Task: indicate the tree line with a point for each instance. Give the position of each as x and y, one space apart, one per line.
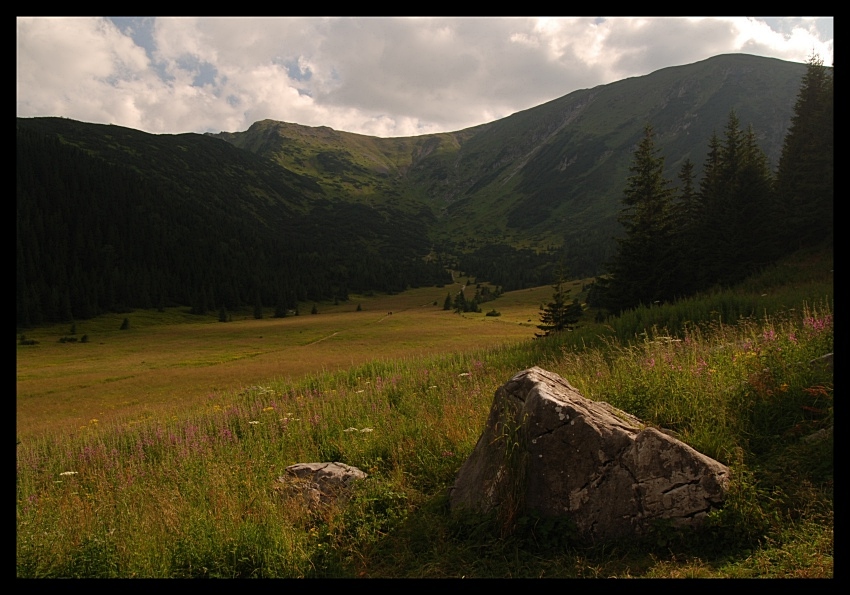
96 235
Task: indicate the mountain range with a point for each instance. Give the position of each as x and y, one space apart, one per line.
502 200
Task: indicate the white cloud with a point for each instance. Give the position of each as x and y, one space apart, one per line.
377 76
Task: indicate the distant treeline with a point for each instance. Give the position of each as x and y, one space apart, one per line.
98 235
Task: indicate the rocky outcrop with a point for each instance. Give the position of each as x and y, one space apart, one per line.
549 450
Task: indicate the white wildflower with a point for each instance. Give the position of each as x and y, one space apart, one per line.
69 473
367 430
253 422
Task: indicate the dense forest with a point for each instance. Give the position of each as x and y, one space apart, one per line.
97 235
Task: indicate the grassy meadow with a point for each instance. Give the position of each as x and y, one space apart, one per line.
155 451
170 362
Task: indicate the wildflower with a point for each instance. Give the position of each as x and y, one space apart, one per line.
367 430
69 473
253 422
269 409
432 386
769 335
793 338
351 430
462 374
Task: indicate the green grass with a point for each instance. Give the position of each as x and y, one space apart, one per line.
193 491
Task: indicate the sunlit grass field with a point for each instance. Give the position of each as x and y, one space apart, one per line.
171 361
156 451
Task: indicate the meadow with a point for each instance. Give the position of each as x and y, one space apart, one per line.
155 451
170 362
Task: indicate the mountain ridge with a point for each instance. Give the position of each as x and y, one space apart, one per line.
289 212
549 174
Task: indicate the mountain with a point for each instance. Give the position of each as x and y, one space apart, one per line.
552 175
109 217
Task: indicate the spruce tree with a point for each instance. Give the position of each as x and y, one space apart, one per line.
734 208
686 212
805 177
560 314
642 270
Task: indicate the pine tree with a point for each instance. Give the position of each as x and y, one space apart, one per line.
734 209
686 211
560 314
460 303
805 177
447 305
642 269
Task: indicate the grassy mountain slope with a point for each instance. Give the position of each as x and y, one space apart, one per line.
552 174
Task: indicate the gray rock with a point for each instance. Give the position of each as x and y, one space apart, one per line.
547 449
321 482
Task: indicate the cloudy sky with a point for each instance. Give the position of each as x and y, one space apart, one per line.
377 76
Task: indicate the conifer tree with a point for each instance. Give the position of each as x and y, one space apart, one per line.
560 314
805 177
686 212
735 204
642 269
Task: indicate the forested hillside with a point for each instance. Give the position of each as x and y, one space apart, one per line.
110 219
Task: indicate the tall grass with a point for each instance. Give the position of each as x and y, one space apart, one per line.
198 495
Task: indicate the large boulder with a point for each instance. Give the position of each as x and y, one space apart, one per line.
546 449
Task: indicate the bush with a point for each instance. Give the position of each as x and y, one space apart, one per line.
25 341
493 313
